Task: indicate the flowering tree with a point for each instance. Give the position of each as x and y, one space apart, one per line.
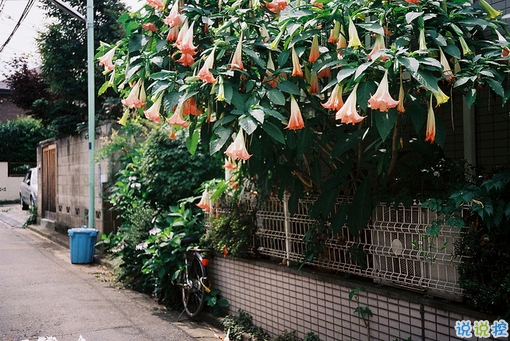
308 96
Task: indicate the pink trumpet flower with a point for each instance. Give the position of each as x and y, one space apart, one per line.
335 102
158 4
348 114
229 164
237 149
186 60
377 49
174 18
190 107
335 32
173 33
107 60
186 46
136 97
205 202
205 74
180 36
314 52
401 96
237 60
430 134
276 6
296 67
177 119
342 41
382 99
296 119
153 112
150 27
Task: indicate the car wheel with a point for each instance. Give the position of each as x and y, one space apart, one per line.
24 206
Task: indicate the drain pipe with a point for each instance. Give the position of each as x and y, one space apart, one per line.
286 226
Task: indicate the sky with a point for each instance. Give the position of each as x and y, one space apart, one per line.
23 41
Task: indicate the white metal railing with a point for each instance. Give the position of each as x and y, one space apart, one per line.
394 248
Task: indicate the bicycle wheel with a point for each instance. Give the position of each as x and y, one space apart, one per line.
193 292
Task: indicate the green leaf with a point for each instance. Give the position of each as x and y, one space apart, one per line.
221 135
222 302
385 121
289 87
348 142
248 123
361 69
365 91
273 131
339 219
282 58
344 73
412 15
257 114
192 142
427 80
496 86
103 88
254 56
137 42
276 96
372 27
411 64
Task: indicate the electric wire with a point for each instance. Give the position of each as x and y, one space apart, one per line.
27 9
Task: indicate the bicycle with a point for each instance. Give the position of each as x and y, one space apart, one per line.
193 278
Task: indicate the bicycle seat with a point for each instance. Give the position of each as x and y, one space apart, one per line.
189 240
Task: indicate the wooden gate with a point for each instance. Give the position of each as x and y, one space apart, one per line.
49 182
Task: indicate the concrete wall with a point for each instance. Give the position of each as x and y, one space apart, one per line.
9 185
281 298
72 182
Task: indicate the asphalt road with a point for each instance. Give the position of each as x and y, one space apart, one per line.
43 295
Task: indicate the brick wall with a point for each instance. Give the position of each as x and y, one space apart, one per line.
282 298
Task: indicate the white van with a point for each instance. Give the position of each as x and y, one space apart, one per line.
28 189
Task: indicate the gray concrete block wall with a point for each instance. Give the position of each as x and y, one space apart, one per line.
281 298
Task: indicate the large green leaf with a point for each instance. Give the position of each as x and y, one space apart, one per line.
289 87
273 131
192 142
411 64
248 123
426 79
221 135
385 121
276 96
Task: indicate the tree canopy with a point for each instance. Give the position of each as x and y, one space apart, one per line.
310 97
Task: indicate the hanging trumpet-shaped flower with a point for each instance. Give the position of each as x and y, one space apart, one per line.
296 67
136 97
382 99
296 119
354 40
314 83
158 4
324 73
221 90
276 6
123 119
412 1
376 49
269 78
205 73
177 119
150 26
430 133
401 96
186 60
186 44
173 33
491 12
190 107
335 102
153 112
229 164
172 135
314 52
335 32
107 60
205 201
447 71
348 114
465 48
421 39
441 97
342 40
182 33
505 50
237 149
237 60
174 18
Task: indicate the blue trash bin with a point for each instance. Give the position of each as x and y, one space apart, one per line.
82 244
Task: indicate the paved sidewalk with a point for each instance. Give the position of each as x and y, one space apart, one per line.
43 295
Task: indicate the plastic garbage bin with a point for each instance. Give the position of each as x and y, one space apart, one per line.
82 244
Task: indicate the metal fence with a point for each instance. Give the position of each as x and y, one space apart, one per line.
394 249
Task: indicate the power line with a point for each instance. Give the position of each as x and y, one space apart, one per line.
27 9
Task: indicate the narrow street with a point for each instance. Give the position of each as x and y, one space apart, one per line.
43 295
